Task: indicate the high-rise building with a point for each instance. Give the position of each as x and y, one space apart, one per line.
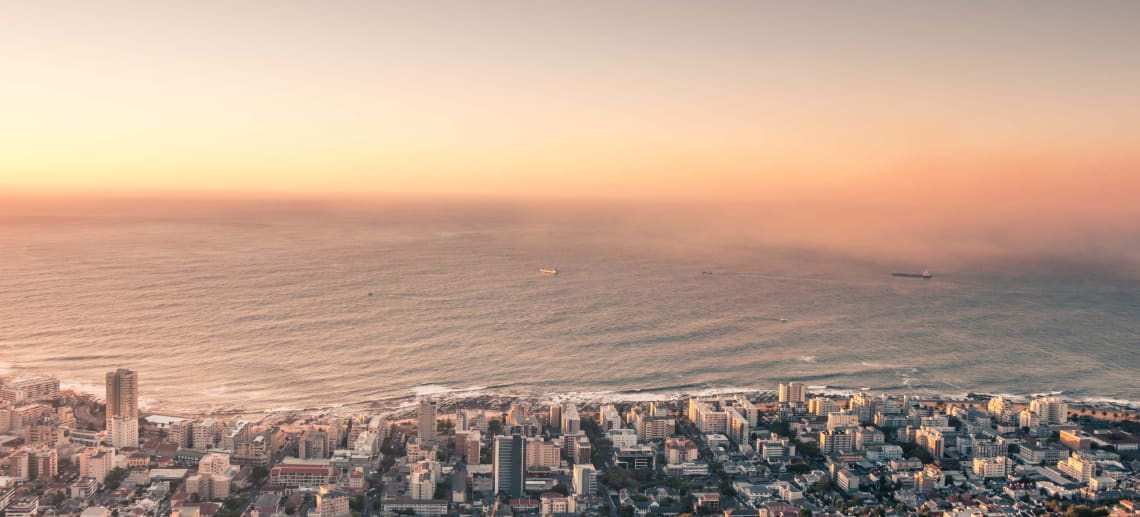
571 423
462 420
821 406
124 432
654 427
332 502
679 450
556 418
1051 410
736 426
841 420
508 471
518 413
122 395
540 453
609 418
427 421
314 443
213 478
996 467
44 463
1001 409
842 440
96 463
1078 467
792 392
468 445
29 390
585 481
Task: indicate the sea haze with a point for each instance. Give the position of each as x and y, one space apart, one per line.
305 307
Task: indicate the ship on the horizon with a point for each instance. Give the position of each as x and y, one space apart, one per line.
924 274
548 270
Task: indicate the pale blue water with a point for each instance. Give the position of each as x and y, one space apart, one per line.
268 311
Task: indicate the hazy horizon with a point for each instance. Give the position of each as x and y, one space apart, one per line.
906 235
958 104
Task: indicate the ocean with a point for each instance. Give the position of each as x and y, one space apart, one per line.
306 309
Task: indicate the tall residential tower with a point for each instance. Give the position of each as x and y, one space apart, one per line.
792 392
509 465
427 421
122 395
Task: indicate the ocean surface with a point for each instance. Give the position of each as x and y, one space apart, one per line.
312 309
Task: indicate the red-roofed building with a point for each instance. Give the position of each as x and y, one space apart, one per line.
138 459
208 509
167 450
356 483
781 509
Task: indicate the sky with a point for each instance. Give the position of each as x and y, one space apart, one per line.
982 109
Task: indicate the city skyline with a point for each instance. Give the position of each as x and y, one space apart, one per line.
649 258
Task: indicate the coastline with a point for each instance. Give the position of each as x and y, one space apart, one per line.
452 400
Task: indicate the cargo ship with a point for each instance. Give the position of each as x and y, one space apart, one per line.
924 274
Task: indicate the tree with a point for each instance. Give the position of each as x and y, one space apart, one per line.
618 479
688 503
602 452
808 450
561 489
232 503
798 468
115 477
804 512
726 488
781 428
495 427
1079 511
258 474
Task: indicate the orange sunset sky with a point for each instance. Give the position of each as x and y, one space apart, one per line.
1030 105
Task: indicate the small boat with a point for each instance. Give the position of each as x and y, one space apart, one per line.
783 320
924 274
548 270
706 272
